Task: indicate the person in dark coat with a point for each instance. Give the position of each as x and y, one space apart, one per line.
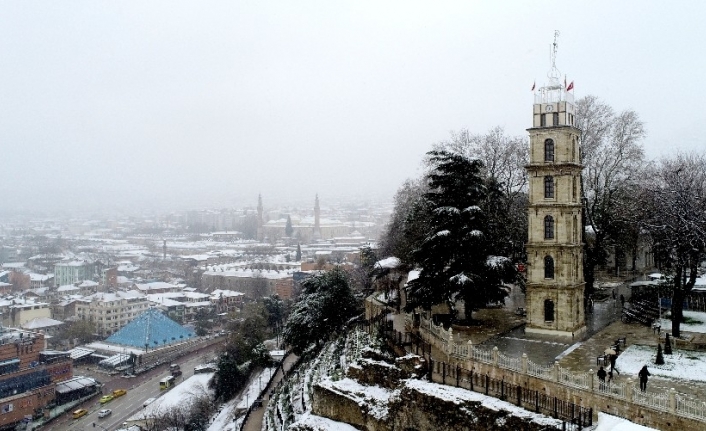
643 374
601 377
613 358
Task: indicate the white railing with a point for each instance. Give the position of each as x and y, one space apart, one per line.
612 389
692 409
482 355
458 350
510 363
650 399
541 371
568 378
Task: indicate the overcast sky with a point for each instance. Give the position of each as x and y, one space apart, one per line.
178 104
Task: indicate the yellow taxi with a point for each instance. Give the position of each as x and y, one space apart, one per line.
105 398
119 393
79 413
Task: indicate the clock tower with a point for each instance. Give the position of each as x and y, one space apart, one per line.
555 285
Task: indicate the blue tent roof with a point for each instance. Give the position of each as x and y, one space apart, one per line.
152 328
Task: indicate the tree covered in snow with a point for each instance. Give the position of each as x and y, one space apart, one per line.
408 223
675 206
613 157
288 228
325 307
503 161
458 255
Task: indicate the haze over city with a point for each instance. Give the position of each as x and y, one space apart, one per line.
109 105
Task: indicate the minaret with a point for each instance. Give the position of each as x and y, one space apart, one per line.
555 285
260 220
317 219
164 250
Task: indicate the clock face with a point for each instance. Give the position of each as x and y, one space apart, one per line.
549 108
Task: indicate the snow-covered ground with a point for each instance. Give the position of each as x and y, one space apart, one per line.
681 364
688 327
235 408
194 385
613 423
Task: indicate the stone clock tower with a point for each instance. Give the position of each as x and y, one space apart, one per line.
555 282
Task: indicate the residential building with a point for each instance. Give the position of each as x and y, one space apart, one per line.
111 311
73 271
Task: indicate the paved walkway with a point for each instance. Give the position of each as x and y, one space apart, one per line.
254 422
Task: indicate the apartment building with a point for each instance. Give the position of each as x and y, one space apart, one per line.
111 311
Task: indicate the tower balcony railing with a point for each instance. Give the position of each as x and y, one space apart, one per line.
553 94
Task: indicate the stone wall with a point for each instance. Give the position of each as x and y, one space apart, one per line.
384 403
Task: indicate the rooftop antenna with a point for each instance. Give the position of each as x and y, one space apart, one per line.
554 73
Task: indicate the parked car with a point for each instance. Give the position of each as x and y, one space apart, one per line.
80 412
119 393
105 412
148 401
106 398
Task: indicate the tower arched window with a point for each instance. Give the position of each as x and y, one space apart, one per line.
548 267
548 310
548 187
576 229
548 227
549 150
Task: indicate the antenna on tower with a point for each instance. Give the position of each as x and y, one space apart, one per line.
554 73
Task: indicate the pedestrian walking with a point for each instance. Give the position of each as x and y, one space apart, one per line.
613 359
610 377
614 298
643 374
622 300
601 378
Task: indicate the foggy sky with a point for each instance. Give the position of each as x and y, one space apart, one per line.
176 104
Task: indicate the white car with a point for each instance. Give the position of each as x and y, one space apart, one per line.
105 412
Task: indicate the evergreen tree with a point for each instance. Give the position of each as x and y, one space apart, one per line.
660 359
298 257
288 229
667 345
458 255
327 304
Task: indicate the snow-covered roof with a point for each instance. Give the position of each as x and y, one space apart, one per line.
413 275
156 285
41 322
388 263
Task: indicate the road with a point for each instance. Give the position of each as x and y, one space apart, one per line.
139 390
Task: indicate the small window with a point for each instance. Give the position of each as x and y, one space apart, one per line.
549 150
548 310
548 227
555 119
543 120
549 187
548 267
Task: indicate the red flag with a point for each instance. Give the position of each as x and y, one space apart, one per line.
534 85
570 87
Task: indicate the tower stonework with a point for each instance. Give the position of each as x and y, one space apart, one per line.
555 284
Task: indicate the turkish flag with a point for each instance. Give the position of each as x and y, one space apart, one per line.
570 87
